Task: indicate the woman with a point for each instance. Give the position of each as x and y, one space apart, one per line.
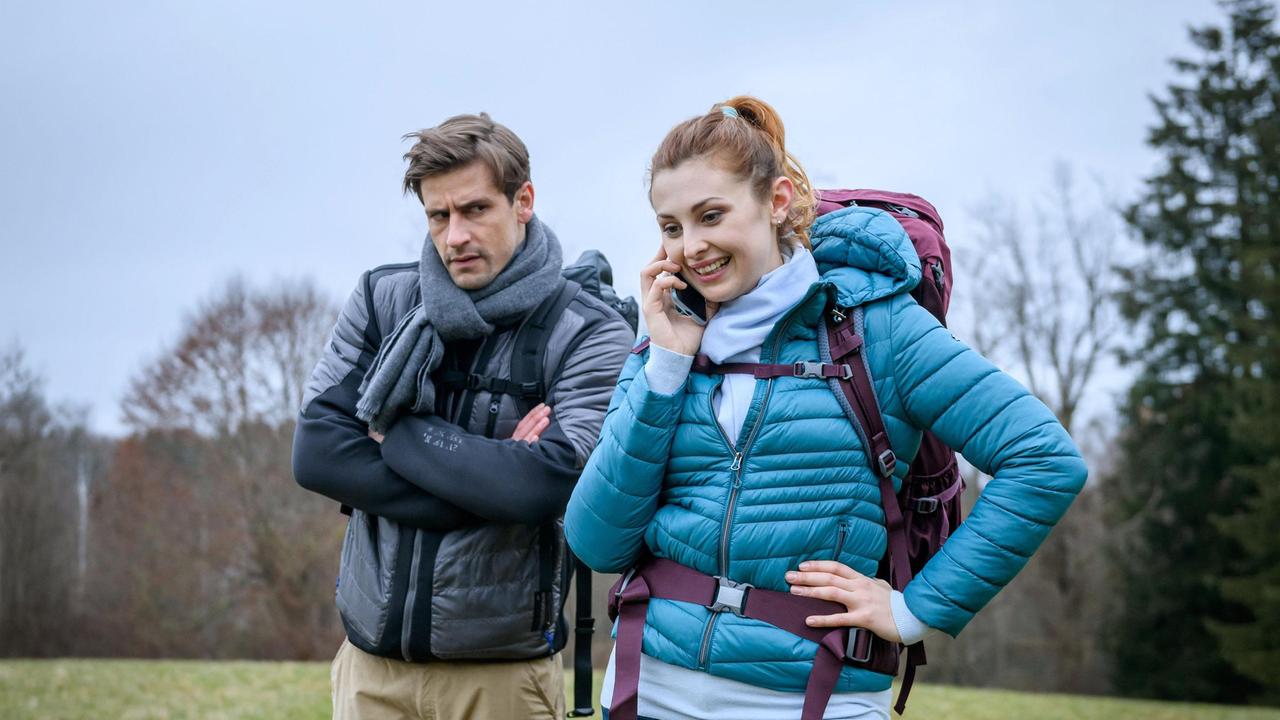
766 482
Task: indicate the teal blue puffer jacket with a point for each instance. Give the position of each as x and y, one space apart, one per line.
798 485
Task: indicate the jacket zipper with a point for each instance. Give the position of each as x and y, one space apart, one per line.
705 644
411 594
736 469
467 401
841 536
495 404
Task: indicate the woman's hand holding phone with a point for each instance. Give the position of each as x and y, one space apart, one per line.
668 328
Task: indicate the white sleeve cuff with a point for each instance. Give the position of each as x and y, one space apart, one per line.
666 370
909 626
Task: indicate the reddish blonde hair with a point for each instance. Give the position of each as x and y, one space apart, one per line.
751 145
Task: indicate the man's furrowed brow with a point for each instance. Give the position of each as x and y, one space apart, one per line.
462 205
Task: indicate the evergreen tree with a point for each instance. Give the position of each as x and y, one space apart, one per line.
1254 647
1196 575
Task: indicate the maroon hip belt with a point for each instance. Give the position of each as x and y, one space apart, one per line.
668 580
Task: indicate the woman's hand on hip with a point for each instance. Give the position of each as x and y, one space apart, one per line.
866 600
668 328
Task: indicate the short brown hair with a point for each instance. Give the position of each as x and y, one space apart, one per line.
749 141
461 140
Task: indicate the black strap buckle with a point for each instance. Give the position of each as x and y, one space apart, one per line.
730 595
531 389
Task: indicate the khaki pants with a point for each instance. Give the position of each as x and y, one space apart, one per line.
368 687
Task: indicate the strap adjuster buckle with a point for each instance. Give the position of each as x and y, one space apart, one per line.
851 647
926 505
887 462
622 586
730 595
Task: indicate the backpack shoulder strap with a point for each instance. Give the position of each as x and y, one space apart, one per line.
530 345
844 335
527 358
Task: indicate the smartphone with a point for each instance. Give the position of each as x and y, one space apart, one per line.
689 302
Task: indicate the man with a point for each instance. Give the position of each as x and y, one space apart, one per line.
453 571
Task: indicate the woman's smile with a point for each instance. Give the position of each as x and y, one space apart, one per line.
709 272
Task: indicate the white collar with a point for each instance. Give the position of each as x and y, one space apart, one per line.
741 325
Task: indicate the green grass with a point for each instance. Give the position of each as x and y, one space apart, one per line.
172 690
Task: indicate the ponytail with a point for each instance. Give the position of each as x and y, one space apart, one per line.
746 134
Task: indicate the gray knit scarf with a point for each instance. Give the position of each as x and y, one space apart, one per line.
400 377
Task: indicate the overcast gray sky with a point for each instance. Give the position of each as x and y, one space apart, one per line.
150 149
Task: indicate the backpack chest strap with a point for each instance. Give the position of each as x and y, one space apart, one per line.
764 371
456 380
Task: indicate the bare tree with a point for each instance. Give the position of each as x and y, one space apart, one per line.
1042 304
207 476
241 360
1047 304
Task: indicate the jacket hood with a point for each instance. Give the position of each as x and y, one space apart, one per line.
865 254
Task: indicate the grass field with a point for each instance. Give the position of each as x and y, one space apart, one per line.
173 690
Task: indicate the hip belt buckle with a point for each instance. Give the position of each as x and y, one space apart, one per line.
730 595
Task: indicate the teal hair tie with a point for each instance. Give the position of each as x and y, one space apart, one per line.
729 111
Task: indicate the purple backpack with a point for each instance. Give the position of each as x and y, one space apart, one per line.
922 514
